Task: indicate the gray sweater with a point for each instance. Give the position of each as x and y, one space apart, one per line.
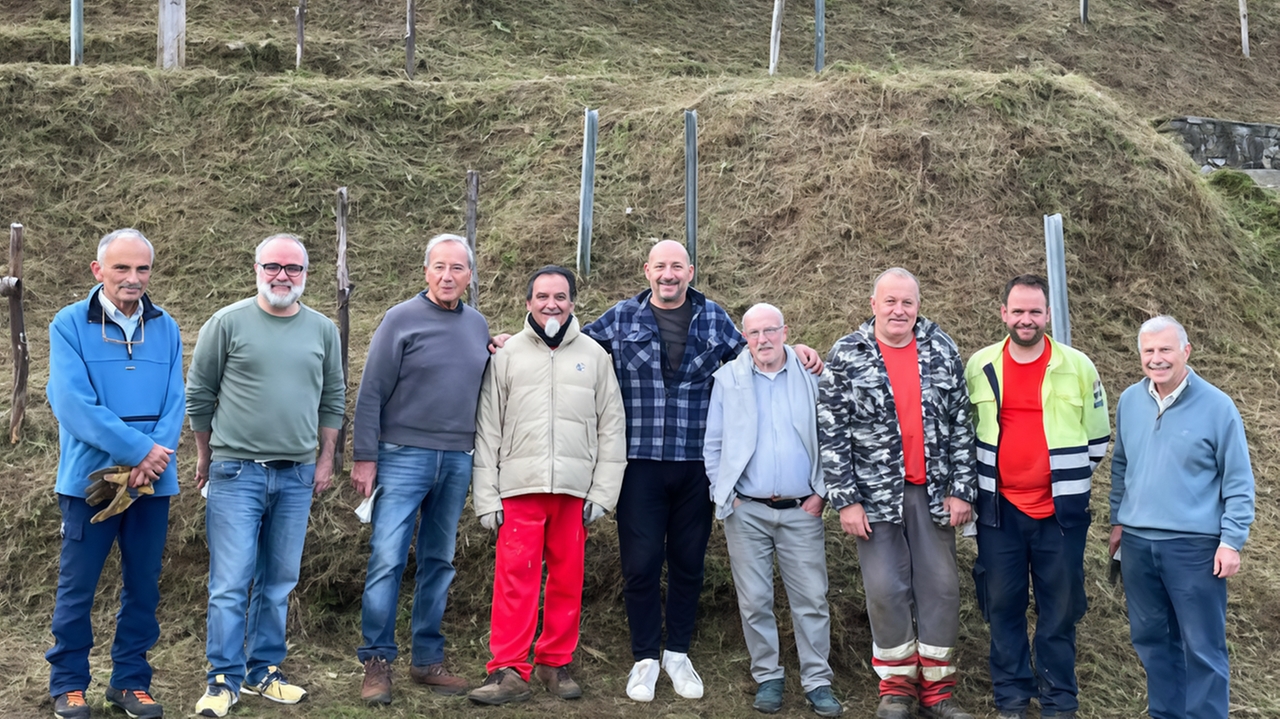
421 380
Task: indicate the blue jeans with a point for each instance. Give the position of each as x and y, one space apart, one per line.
256 520
413 480
140 532
1052 557
1178 624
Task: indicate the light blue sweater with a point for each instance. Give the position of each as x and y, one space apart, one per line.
1185 472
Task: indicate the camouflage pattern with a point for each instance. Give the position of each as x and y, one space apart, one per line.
861 444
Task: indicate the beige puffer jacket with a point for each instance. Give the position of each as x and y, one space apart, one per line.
550 422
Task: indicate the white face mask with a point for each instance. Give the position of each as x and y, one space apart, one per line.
553 327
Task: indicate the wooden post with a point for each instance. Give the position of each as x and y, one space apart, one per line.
473 209
1084 12
11 287
171 35
775 35
1244 27
587 193
344 321
300 15
77 32
691 185
819 35
410 37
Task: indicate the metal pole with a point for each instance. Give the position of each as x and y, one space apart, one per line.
77 32
171 35
1056 259
691 185
1084 11
775 35
473 211
300 16
587 195
344 320
1244 27
819 35
410 37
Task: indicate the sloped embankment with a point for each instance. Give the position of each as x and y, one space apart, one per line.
809 188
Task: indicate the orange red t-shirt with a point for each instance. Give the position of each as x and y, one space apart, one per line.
1023 459
903 366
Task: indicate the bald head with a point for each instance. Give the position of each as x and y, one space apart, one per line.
669 249
669 273
763 311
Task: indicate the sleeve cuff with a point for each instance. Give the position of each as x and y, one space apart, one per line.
201 423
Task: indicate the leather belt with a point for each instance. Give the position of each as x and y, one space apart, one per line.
279 464
775 503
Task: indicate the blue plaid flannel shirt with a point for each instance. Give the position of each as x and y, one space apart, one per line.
666 423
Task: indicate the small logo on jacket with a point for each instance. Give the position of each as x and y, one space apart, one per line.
580 367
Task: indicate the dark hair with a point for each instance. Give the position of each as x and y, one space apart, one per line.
1036 281
554 270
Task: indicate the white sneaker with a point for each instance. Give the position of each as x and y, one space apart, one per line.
686 681
643 680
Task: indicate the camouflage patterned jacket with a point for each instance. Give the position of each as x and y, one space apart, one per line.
858 430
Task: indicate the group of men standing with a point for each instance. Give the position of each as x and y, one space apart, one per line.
653 409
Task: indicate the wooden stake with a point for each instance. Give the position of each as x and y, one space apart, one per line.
171 40
473 211
11 287
1244 27
344 321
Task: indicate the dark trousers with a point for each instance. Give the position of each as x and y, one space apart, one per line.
140 531
1052 557
664 512
1178 624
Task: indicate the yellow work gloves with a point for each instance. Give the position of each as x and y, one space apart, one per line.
112 483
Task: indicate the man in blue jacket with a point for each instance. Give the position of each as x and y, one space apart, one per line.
115 386
1181 506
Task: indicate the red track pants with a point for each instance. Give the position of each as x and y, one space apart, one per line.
537 527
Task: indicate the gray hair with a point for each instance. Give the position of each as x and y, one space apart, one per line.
762 307
110 237
447 237
257 253
1160 323
896 272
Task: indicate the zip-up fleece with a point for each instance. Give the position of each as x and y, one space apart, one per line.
1076 427
858 426
549 421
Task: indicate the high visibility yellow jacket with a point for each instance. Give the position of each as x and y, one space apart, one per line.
1076 428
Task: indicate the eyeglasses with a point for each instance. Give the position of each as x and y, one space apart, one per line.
128 344
769 333
273 268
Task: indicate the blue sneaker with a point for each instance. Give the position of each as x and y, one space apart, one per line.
768 697
823 702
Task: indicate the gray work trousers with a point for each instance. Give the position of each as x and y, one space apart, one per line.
755 533
909 574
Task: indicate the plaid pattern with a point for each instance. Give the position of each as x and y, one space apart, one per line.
665 423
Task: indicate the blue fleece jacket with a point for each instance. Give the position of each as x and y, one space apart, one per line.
113 402
1184 473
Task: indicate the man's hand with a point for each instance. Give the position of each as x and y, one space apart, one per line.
1113 543
809 359
324 473
853 520
960 510
812 505
364 473
151 466
202 458
496 342
1226 562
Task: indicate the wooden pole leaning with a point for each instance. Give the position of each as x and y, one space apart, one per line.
473 211
11 287
344 321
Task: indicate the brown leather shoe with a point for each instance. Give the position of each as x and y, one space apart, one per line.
376 688
438 678
502 686
557 681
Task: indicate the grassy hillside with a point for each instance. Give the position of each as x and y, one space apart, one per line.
810 186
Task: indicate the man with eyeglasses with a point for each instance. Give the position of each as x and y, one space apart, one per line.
766 482
265 379
115 386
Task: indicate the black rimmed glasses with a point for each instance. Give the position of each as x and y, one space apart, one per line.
273 268
128 344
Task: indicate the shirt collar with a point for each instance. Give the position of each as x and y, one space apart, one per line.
115 313
1167 401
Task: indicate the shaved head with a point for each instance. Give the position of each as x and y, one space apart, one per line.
665 249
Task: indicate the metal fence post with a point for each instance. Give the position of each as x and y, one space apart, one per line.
300 17
410 37
586 197
1084 12
819 35
691 185
77 32
775 35
473 211
1056 259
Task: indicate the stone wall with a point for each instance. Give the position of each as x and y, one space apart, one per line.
1215 143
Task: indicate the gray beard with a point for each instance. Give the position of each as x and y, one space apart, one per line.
282 301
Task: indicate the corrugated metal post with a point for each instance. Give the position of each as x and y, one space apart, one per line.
473 211
1244 27
410 37
819 35
775 35
691 185
1056 259
344 319
587 197
1084 11
77 32
300 16
171 35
